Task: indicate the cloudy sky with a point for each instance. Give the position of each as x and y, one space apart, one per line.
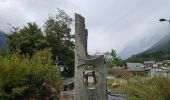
129 26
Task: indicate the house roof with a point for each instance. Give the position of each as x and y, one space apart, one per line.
149 62
134 65
166 60
159 62
136 69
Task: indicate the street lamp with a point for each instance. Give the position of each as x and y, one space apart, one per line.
163 20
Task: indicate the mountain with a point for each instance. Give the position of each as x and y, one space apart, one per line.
159 51
132 49
162 45
3 40
139 45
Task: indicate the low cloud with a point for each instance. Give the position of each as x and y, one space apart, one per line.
112 24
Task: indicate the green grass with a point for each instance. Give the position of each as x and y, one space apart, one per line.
157 88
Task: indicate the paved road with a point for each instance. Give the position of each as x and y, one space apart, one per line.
116 98
116 95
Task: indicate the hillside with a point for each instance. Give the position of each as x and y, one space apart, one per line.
138 46
3 43
163 44
159 51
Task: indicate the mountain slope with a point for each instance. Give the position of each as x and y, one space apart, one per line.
3 40
162 45
140 45
159 51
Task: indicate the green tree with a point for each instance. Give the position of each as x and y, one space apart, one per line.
59 38
4 52
113 59
23 77
28 39
113 54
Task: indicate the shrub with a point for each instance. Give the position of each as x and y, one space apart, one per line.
121 73
157 88
25 77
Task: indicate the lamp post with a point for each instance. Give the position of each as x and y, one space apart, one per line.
163 20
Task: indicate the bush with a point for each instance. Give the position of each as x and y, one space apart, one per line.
25 77
157 88
4 52
121 73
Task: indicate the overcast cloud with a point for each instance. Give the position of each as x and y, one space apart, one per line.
112 24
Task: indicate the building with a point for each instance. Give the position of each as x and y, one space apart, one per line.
135 67
166 62
149 63
159 63
158 71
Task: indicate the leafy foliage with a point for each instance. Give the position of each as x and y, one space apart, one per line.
4 52
28 39
121 73
112 60
155 89
145 56
59 38
25 77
